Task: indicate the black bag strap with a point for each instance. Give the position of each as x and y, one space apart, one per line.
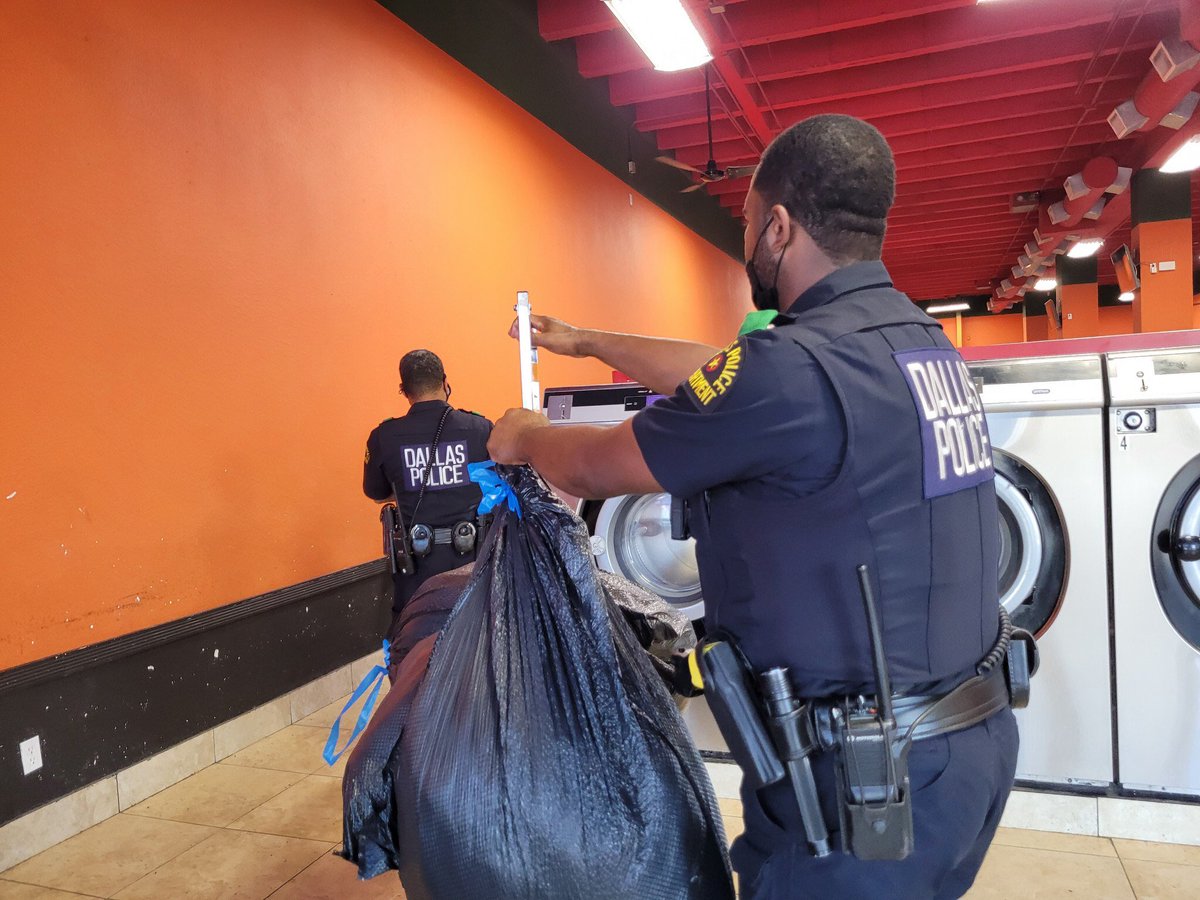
437 435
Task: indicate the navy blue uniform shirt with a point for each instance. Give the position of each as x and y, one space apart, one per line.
398 454
804 452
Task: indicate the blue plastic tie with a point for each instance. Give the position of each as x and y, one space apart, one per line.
372 682
496 490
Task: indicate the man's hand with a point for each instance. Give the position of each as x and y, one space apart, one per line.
556 336
508 435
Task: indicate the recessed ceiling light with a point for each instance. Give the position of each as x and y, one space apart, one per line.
947 307
1126 297
1186 158
1045 284
664 32
1085 248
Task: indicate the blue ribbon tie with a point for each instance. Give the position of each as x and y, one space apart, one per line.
372 682
496 491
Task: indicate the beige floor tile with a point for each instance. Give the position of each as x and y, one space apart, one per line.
1151 852
333 878
230 865
294 749
729 807
1018 873
109 856
218 795
11 890
325 716
1163 881
160 771
1050 840
310 809
66 817
239 733
308 698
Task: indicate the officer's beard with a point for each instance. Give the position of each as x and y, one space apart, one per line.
762 296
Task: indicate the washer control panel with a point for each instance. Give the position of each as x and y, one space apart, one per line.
1135 421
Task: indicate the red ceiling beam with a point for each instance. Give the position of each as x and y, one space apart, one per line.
958 72
1010 133
996 109
562 19
1000 29
612 52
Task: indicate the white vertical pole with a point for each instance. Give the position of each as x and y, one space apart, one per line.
531 390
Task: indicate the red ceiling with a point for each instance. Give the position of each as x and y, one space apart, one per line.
977 101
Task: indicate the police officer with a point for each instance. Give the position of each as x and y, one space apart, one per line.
844 434
420 459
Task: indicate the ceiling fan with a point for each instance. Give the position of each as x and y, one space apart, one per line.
710 172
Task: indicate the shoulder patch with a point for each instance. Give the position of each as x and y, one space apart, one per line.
367 458
472 412
709 384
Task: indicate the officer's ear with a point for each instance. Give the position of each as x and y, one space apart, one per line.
780 229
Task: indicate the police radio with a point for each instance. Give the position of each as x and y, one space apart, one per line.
395 540
874 799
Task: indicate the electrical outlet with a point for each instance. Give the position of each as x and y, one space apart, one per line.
31 754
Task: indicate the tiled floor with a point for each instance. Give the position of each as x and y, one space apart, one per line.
265 822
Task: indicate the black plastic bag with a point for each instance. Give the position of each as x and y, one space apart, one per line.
541 754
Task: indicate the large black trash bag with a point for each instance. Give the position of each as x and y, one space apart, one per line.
542 755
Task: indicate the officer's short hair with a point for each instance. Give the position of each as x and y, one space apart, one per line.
421 371
836 176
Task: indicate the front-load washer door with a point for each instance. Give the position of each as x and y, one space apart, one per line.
1175 555
1032 546
631 536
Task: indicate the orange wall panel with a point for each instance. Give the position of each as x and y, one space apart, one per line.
1035 328
1165 299
984 331
1116 320
222 229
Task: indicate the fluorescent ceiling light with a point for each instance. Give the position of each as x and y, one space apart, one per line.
947 307
1045 284
1186 158
664 32
1085 248
1126 297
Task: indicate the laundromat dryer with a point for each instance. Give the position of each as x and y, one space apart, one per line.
631 535
1154 454
1046 424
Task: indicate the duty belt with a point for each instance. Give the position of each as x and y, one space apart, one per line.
442 535
922 716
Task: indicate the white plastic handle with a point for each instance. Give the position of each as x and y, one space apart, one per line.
531 390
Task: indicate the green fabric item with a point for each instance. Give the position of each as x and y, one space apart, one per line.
757 320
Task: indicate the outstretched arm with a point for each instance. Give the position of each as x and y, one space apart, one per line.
658 363
585 460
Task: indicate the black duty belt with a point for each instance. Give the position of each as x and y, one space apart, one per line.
970 703
442 535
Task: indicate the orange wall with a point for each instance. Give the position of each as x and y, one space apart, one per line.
983 331
1035 328
1116 320
222 226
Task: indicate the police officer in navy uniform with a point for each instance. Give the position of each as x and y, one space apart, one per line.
846 433
420 460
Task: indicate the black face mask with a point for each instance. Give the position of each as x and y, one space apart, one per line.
762 296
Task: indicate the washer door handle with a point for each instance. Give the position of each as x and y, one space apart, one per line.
1186 548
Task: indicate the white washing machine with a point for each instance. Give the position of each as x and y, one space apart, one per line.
631 535
1046 422
1154 459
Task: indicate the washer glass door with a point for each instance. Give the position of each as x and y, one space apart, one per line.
1032 546
631 536
1175 555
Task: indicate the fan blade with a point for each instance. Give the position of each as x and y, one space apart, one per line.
739 171
670 161
694 187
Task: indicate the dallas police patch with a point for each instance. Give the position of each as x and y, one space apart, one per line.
712 381
955 446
